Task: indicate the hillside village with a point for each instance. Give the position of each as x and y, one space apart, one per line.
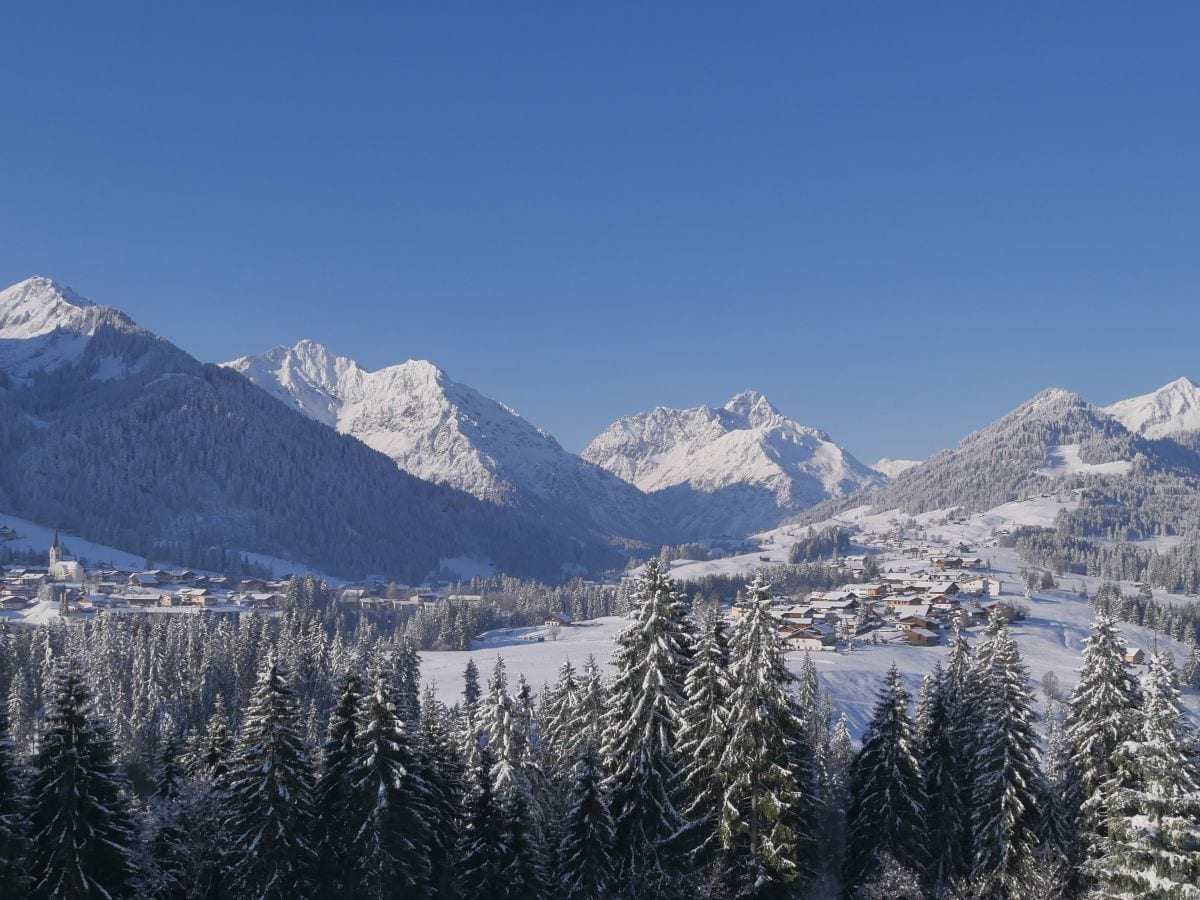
914 604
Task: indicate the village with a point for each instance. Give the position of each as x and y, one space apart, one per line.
916 604
65 587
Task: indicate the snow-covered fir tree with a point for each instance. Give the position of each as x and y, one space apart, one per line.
442 770
81 825
938 751
1151 848
269 811
483 854
887 805
765 822
335 795
1104 711
1008 781
391 802
651 659
702 737
14 811
584 860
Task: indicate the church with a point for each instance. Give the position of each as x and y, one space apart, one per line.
63 565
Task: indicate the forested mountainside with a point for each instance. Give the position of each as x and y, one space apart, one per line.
1055 440
124 438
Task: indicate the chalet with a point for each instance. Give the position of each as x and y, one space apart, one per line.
253 586
558 618
13 601
144 579
7 533
1134 656
911 621
266 600
945 589
811 637
923 637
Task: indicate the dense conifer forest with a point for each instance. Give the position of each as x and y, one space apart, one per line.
298 755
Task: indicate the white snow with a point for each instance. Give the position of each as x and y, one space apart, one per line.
32 536
45 325
1065 461
746 444
446 432
523 654
894 467
1172 409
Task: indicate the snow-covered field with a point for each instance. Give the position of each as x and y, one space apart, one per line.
1051 638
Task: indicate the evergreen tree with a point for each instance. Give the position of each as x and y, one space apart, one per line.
1103 715
269 808
765 821
484 853
443 772
585 869
14 822
173 856
887 805
651 658
391 803
334 796
1152 845
938 752
80 822
702 737
1008 782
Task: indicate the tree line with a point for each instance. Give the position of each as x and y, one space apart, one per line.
300 763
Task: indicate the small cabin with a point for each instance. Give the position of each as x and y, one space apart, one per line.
557 618
1134 656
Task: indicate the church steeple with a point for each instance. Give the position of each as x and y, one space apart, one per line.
55 550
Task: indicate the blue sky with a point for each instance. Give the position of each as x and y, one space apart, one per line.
896 220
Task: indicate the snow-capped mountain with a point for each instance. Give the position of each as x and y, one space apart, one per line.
449 433
736 469
1171 410
114 433
45 325
893 468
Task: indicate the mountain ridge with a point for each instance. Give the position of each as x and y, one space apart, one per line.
741 467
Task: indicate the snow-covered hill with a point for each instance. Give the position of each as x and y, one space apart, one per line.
894 467
449 433
1172 409
733 470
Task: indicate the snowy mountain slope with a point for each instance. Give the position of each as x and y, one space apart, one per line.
892 468
734 470
1172 409
45 326
1055 438
130 442
449 433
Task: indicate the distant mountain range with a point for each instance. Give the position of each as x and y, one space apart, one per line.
448 433
115 433
731 470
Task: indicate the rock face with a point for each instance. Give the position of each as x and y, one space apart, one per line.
446 432
1171 410
732 470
